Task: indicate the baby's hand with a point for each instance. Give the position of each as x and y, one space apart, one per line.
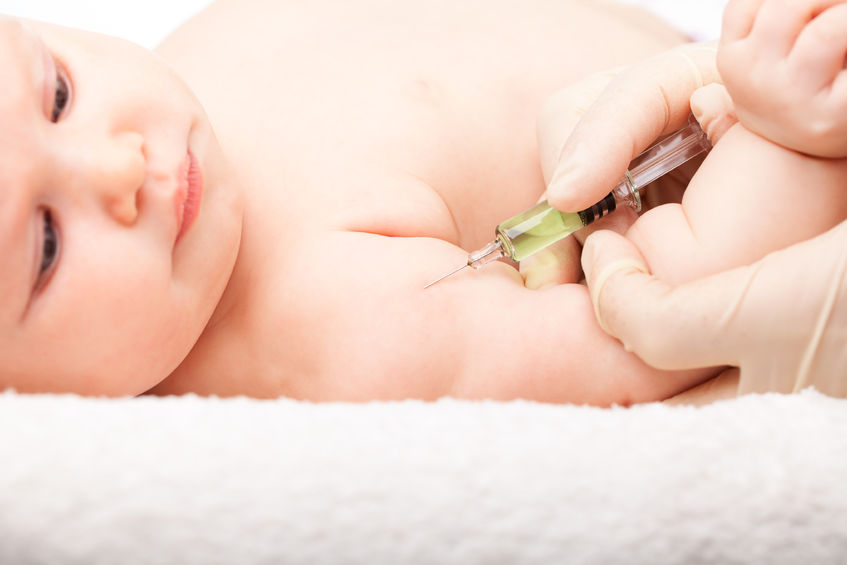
783 63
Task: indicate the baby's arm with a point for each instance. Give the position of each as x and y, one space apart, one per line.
748 198
479 334
751 195
783 63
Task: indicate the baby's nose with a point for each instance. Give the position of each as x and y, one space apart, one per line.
112 169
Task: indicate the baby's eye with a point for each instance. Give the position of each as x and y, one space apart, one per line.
63 93
49 251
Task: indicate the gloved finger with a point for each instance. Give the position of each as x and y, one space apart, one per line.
820 50
668 327
560 114
782 320
738 18
713 108
639 105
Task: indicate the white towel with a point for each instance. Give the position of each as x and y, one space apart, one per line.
187 480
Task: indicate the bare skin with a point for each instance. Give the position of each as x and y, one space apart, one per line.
358 151
386 147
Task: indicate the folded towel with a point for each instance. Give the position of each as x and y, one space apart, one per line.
759 479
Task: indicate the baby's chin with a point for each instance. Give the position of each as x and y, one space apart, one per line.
130 373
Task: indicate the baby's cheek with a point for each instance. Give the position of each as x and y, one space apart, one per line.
130 328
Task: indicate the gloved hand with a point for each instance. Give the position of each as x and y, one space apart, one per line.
783 320
589 133
625 111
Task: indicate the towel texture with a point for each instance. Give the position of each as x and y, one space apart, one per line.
187 480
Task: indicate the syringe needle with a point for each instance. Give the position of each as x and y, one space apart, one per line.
492 251
453 272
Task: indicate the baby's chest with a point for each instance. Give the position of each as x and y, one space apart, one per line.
408 155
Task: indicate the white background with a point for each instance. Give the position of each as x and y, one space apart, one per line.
146 21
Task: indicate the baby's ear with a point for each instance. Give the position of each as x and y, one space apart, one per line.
714 110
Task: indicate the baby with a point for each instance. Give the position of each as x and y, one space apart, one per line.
777 176
276 239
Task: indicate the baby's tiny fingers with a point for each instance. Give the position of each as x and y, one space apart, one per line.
821 48
780 22
738 18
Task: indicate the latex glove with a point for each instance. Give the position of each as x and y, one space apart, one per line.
604 121
583 159
782 320
559 263
783 64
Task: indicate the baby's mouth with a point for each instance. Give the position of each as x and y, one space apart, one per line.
189 194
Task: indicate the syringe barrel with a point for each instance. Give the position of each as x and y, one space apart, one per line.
668 153
533 230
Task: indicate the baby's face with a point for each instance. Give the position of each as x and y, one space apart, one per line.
119 227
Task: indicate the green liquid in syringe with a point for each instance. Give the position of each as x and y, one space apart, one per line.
537 228
522 235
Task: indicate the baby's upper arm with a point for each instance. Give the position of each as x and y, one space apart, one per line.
479 334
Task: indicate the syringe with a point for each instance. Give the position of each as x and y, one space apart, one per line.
529 232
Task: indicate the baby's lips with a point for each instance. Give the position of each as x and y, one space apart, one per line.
181 192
